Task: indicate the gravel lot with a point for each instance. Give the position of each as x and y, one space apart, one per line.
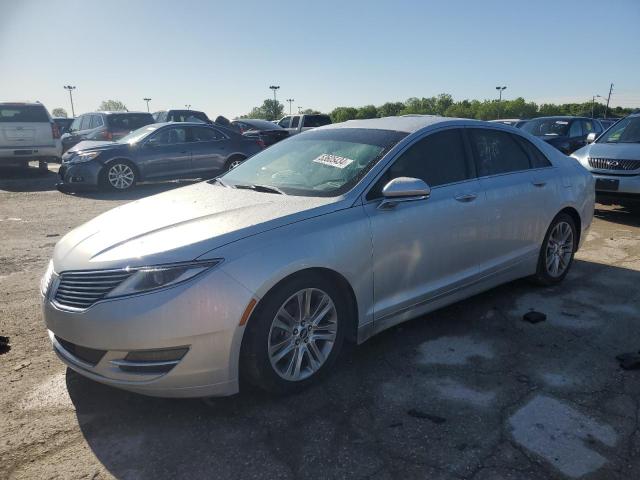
470 391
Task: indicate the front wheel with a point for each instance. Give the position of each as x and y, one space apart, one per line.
119 175
557 251
295 335
233 162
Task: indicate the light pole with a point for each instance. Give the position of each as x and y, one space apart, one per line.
70 88
290 100
188 106
147 100
500 90
275 102
299 110
593 102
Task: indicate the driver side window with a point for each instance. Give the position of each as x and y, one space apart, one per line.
169 136
575 130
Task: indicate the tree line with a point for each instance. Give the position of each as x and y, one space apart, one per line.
444 105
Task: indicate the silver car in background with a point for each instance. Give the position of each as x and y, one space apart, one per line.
614 160
337 233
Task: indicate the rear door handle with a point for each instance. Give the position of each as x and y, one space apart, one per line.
538 183
466 197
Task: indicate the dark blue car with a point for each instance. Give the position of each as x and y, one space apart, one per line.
154 152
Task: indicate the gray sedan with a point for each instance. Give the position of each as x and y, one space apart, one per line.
335 234
154 152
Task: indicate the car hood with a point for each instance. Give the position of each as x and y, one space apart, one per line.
180 225
91 145
618 151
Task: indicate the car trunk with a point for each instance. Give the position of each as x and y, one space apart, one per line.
24 126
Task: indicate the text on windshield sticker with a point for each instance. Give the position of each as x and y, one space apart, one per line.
333 160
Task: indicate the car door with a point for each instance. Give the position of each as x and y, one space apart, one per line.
424 248
518 199
166 153
208 152
295 121
73 135
577 137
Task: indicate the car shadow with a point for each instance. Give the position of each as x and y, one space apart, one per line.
624 215
29 179
380 405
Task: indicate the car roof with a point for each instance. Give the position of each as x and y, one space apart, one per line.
118 112
22 103
257 121
562 117
404 123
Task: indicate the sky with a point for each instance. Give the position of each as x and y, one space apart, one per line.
222 56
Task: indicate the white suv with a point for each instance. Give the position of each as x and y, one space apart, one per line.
28 133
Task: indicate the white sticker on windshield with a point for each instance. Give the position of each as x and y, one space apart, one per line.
333 160
561 122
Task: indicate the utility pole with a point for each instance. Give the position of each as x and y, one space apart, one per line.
290 100
500 89
606 111
147 100
593 102
275 101
299 110
188 106
70 88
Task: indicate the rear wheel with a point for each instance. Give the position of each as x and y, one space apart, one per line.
295 334
42 166
557 251
233 162
119 175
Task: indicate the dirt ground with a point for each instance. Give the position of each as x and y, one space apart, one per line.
469 391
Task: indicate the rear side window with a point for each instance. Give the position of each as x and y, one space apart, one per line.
575 130
23 113
85 122
497 152
129 121
294 122
536 157
316 120
205 134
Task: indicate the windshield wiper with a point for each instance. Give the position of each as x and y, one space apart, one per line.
217 180
261 188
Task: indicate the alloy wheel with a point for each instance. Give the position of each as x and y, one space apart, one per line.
559 249
302 334
234 164
120 176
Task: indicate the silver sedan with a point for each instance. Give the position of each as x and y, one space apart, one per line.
335 234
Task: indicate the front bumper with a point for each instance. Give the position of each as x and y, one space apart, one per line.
202 315
626 184
87 173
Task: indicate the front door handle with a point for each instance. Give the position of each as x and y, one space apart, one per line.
466 197
538 183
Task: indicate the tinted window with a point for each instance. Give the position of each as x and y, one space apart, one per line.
316 120
294 122
285 122
85 122
75 126
625 131
546 127
536 157
23 113
497 152
170 136
129 121
575 130
93 122
205 134
588 126
597 127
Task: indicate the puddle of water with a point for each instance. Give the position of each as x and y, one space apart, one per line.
453 350
559 434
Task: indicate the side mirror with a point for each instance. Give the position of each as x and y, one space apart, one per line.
404 189
591 137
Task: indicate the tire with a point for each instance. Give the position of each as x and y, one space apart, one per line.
555 258
119 176
284 354
43 168
233 162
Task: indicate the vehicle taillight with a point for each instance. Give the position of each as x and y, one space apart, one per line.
107 135
260 142
55 130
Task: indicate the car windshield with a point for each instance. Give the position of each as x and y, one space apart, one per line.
625 131
138 134
318 163
546 127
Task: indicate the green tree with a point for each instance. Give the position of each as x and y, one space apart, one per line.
368 111
390 109
112 106
269 110
59 112
442 103
310 111
342 114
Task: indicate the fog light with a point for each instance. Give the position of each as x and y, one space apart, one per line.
166 355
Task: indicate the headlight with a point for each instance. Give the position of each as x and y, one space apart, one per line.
84 157
145 279
46 278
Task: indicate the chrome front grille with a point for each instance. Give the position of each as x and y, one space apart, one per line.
83 289
613 164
